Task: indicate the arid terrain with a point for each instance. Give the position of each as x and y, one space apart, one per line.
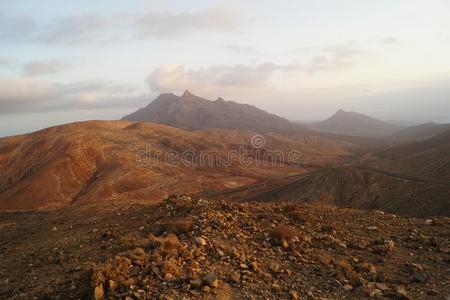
185 248
212 210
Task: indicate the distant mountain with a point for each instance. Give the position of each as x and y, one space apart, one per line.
418 133
430 157
359 187
192 112
356 124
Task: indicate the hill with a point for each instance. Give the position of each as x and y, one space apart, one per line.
118 161
356 124
418 133
430 157
364 188
192 112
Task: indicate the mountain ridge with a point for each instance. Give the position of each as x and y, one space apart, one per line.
356 124
192 112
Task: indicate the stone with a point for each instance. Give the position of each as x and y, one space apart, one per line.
275 267
236 277
112 284
284 244
348 287
400 292
294 295
99 293
211 280
419 276
196 283
254 265
200 241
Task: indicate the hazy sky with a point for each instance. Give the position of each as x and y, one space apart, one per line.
63 61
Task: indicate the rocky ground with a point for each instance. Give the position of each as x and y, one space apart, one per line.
186 248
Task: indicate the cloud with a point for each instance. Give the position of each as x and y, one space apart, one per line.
242 50
74 29
97 28
31 95
38 68
177 78
334 58
165 24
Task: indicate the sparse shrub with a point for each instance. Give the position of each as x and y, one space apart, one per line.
345 271
176 227
131 241
282 232
297 216
327 228
324 258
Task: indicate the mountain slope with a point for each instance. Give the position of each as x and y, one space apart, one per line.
418 133
353 123
429 157
191 112
364 188
89 162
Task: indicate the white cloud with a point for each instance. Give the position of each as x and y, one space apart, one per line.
177 78
165 24
38 68
31 95
334 58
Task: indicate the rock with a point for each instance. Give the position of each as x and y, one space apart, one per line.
99 293
348 287
243 266
168 277
284 244
200 241
236 277
254 265
400 292
206 289
375 293
372 228
294 295
275 286
382 286
112 285
196 283
55 228
275 267
210 279
419 276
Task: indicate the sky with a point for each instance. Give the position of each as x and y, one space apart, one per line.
65 61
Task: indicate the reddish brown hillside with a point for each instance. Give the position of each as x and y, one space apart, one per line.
97 161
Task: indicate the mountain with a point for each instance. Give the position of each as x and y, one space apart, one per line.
366 188
418 133
356 124
192 112
430 157
116 161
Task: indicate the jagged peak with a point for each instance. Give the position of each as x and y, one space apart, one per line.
187 93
